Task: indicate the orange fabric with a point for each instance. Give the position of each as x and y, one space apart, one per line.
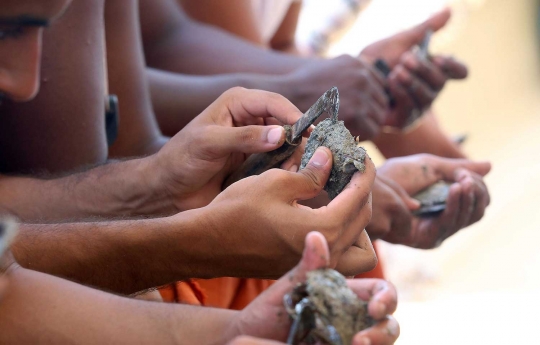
228 293
232 293
187 292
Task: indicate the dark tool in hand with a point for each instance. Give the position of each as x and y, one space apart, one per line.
432 199
422 51
260 162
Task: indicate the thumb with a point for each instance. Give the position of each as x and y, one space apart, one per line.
310 181
247 139
315 255
434 23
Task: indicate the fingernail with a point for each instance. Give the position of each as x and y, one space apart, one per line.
392 327
361 341
415 204
320 158
293 168
274 135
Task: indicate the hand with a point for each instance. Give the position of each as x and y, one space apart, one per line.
266 316
194 164
466 202
414 81
363 103
262 225
392 207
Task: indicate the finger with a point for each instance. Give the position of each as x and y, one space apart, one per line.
377 91
445 225
246 340
451 67
404 104
419 91
411 203
425 70
416 34
310 181
468 200
353 198
377 114
314 256
381 295
382 333
359 257
293 162
445 168
481 193
243 105
248 139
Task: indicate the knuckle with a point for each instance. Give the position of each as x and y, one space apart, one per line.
312 178
276 177
234 92
248 135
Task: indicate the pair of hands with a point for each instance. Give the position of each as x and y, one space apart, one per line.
399 178
259 217
414 82
266 317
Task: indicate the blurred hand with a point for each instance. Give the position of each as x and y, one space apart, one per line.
414 81
194 163
260 218
466 203
363 103
392 217
266 316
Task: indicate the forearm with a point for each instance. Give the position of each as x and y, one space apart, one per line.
46 309
123 189
182 45
132 256
428 137
121 256
178 98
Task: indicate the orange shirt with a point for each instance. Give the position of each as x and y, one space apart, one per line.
229 293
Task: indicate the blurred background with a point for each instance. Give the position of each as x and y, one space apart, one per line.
482 286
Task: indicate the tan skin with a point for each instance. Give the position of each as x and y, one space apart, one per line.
225 15
237 17
392 207
46 309
34 136
126 183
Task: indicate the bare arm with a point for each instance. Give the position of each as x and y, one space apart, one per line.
119 189
121 256
178 98
284 38
428 137
174 42
39 308
138 132
234 16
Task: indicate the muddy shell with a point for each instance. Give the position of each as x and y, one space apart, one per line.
348 156
336 312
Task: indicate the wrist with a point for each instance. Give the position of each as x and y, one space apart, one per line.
155 178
